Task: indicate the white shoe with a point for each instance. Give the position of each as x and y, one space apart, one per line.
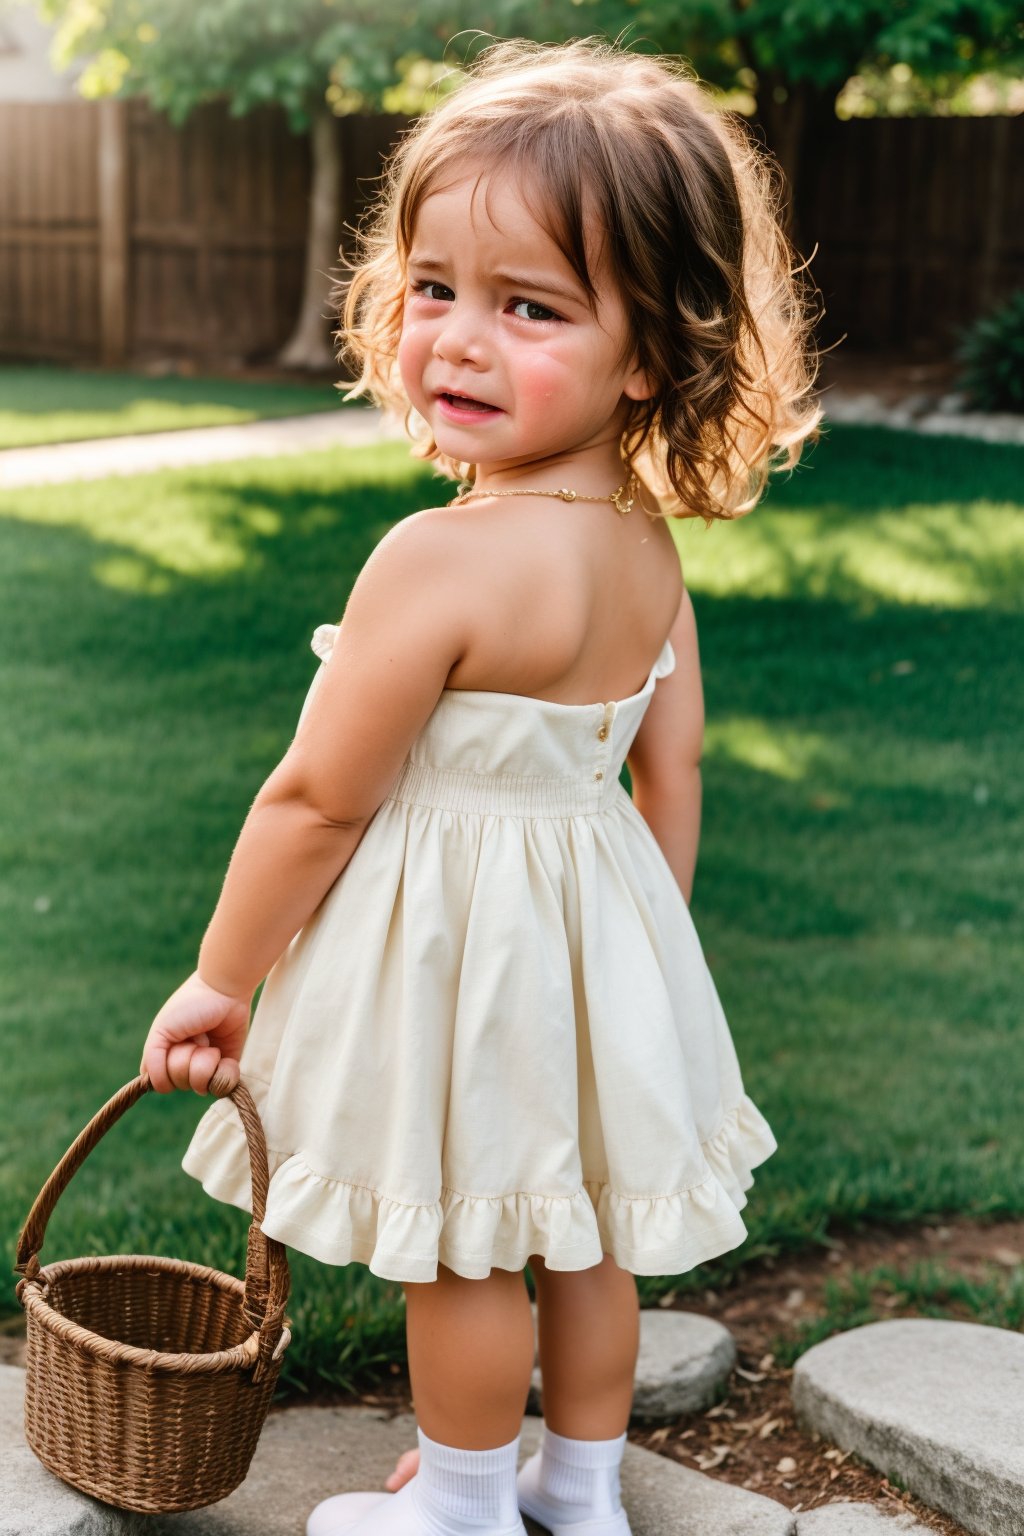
556 1516
340 1513
336 1514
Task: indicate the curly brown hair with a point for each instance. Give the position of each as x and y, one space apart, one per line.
687 201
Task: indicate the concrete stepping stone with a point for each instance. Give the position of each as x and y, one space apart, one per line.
684 1358
306 1454
850 1518
936 1404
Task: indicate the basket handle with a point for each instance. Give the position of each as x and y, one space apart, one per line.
267 1280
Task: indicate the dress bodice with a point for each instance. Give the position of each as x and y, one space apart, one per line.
514 753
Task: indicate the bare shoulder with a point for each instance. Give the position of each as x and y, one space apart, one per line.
436 540
405 625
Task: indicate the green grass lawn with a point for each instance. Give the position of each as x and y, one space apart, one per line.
857 893
46 404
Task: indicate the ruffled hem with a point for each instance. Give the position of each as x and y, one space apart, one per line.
338 1222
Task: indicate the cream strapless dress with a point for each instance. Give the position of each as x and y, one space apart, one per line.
497 1035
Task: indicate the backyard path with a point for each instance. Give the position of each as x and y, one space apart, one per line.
915 397
59 463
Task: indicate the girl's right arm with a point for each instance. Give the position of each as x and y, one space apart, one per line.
406 624
664 760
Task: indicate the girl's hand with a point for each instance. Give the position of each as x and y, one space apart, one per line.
197 1035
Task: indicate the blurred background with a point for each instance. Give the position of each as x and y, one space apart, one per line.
177 176
176 179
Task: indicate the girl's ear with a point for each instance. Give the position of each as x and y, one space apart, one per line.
638 383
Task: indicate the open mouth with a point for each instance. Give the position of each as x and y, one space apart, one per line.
466 403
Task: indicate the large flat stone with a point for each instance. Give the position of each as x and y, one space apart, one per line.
684 1358
938 1405
32 1501
306 1454
850 1518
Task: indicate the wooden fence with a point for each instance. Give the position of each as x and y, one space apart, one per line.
919 222
123 239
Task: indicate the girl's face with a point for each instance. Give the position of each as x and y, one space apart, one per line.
499 350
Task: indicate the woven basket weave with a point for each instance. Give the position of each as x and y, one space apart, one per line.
149 1379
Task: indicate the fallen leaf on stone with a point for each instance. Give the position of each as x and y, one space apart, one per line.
787 1464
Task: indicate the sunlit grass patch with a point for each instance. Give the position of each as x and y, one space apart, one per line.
41 403
858 889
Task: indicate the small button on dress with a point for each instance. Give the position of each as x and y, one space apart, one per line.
497 1035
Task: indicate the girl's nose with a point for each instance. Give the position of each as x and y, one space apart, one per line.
461 338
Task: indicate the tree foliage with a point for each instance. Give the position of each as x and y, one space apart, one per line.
361 55
316 57
358 55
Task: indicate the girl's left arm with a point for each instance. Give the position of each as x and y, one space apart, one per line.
664 760
406 624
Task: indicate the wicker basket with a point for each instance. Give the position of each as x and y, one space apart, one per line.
148 1378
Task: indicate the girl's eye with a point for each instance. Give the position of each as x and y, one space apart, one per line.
531 307
422 285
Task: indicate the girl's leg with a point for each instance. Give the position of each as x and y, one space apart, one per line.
470 1346
588 1324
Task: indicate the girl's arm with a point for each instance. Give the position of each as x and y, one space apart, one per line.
664 760
404 628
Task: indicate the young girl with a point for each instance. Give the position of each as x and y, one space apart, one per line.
487 1034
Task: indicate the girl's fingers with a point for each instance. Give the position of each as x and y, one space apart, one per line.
154 1064
179 1059
204 1063
156 1058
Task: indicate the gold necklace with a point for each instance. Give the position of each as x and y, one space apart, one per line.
622 499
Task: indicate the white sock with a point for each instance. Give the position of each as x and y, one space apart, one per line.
581 1473
459 1491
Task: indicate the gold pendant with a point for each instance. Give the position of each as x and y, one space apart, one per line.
619 497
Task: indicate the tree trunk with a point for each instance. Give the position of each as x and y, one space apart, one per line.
309 345
788 127
783 122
